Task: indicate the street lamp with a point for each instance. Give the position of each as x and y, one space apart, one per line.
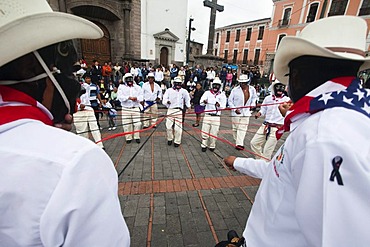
188 41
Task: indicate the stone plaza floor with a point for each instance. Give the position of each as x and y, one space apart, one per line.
181 196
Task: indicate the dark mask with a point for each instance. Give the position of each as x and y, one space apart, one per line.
279 89
216 87
62 56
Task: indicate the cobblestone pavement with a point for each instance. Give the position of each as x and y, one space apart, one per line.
181 196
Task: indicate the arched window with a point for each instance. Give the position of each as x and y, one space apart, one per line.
338 7
281 36
312 12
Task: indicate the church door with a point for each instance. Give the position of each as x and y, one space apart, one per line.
97 49
164 56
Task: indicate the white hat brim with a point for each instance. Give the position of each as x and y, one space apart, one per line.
33 32
294 47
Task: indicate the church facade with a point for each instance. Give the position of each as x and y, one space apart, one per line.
134 30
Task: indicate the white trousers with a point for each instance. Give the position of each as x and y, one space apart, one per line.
151 115
211 125
85 120
259 139
131 121
174 118
240 126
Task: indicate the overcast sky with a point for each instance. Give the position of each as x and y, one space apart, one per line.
235 11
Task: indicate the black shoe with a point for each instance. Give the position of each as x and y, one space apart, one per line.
176 145
212 149
169 143
234 239
195 125
239 147
155 126
137 140
145 127
204 149
128 141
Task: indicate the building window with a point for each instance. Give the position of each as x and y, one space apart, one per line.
191 50
260 32
235 56
365 8
286 18
245 56
217 37
312 12
338 7
281 36
198 51
237 37
257 56
249 33
216 52
226 54
227 36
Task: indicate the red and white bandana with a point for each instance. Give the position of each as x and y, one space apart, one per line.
16 105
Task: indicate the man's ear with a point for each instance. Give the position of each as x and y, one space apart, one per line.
48 94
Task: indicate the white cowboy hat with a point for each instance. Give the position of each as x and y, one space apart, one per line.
26 26
177 79
217 81
342 37
244 78
128 74
150 74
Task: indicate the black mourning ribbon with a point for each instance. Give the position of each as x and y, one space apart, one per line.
336 162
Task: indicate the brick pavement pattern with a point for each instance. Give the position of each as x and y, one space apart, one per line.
181 196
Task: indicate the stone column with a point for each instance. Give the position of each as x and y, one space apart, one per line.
126 29
62 6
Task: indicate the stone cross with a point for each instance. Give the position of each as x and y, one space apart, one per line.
214 7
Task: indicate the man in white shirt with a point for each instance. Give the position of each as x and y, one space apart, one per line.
314 192
56 188
264 141
84 119
152 94
175 99
130 95
242 98
214 101
158 75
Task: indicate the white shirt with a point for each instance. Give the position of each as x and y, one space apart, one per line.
57 189
236 99
211 74
150 95
134 71
212 99
270 109
297 204
158 75
124 92
177 98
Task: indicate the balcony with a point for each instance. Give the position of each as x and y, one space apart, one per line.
284 23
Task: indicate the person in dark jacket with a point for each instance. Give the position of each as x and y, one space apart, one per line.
196 95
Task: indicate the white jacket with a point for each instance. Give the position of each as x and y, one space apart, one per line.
270 109
56 189
124 92
212 99
236 100
297 204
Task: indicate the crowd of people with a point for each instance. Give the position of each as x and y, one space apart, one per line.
58 189
138 102
135 89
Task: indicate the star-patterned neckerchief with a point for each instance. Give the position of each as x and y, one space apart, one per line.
339 92
16 105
